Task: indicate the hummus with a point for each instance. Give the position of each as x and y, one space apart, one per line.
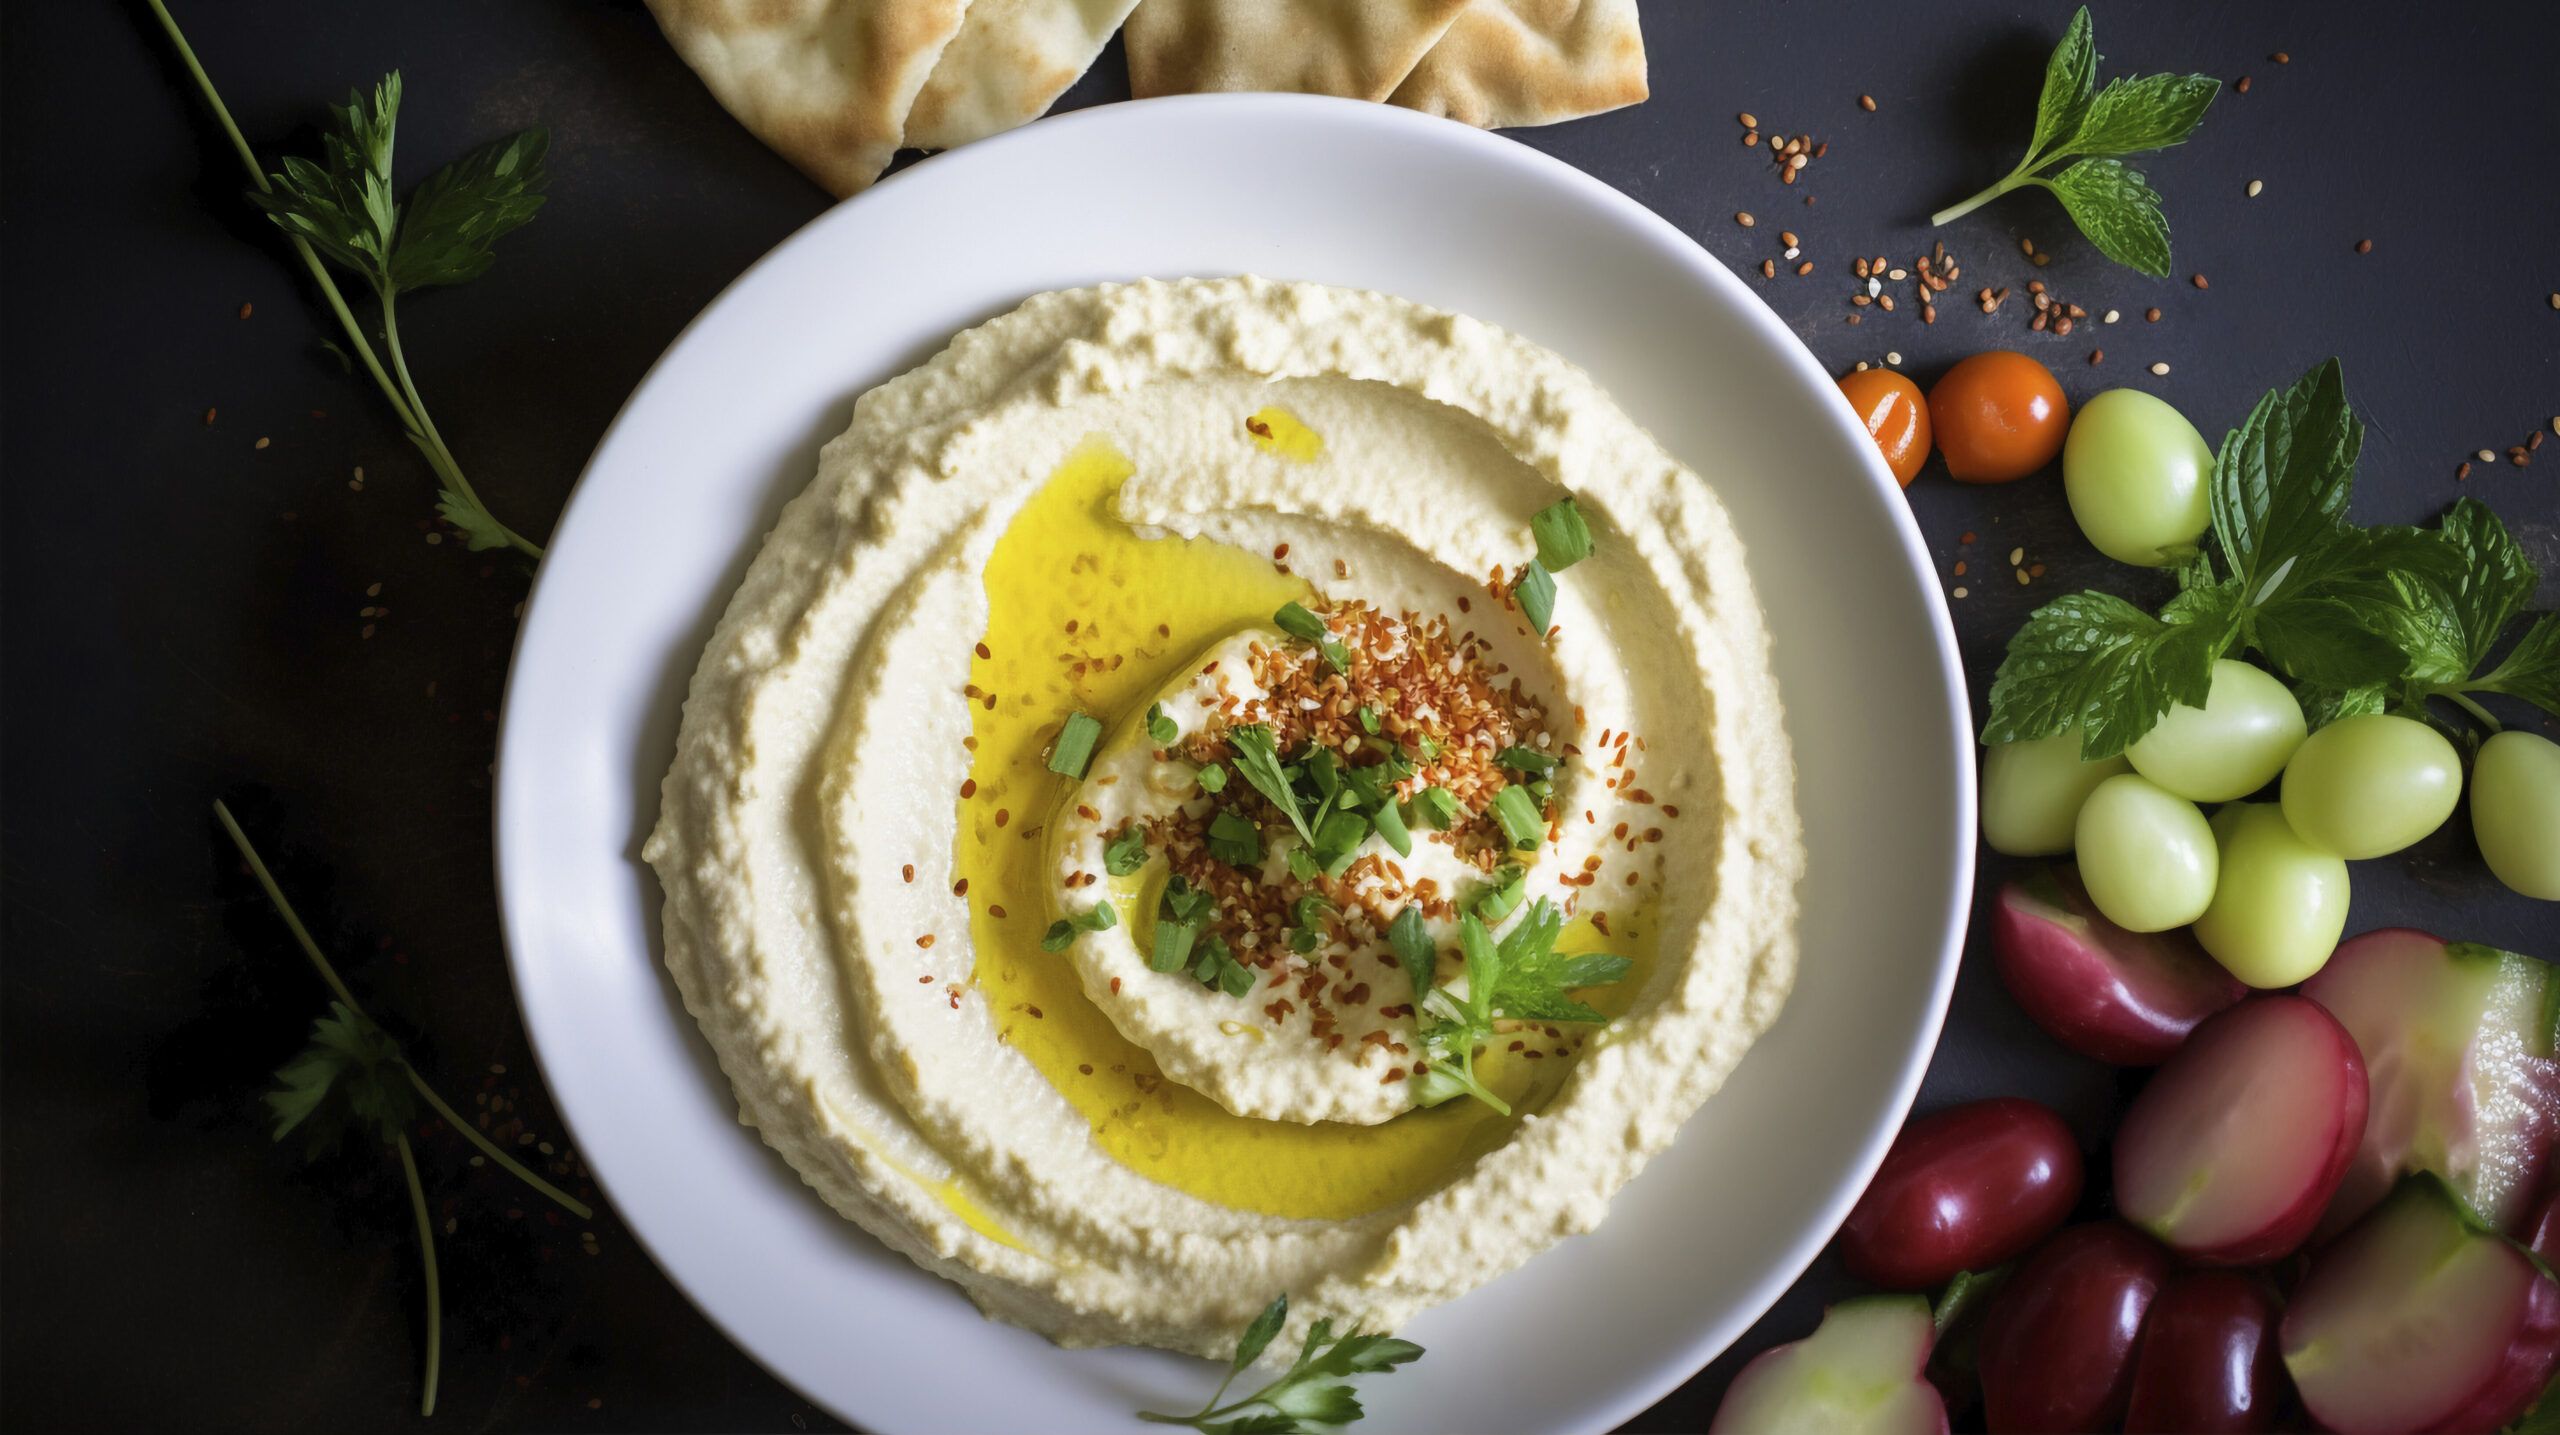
1133 854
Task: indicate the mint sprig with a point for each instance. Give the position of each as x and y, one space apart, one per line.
2381 619
1314 1393
343 207
2113 205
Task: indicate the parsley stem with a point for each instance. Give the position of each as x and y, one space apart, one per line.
435 1289
488 1148
338 988
409 409
439 456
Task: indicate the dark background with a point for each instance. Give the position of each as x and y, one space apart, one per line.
185 610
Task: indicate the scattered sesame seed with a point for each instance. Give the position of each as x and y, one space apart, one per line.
2023 579
1893 358
1805 268
1792 252
1749 120
2488 457
1788 238
1964 592
2281 58
2017 556
262 442
2159 368
2364 246
1744 219
244 310
2243 86
1898 275
2151 315
208 418
2113 315
1768 268
1867 103
2461 471
2255 187
2043 259
2199 281
2097 356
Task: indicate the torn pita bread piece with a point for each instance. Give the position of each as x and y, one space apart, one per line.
1358 48
826 82
1010 61
1530 62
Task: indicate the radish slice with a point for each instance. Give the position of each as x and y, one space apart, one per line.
2457 1043
1858 1374
2420 1318
2232 1152
2128 998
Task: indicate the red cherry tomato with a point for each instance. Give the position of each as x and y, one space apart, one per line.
1998 416
1962 1190
2058 1340
2208 1361
1889 405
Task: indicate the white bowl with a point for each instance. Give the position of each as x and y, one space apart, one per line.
727 426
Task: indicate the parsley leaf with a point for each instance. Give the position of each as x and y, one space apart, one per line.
1100 917
1520 977
1258 761
1125 853
1414 949
350 1077
1295 620
1234 840
1181 913
1313 1394
2114 206
458 212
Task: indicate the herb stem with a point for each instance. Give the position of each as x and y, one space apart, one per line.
490 1149
435 1289
423 429
338 988
2017 177
2487 719
408 407
284 908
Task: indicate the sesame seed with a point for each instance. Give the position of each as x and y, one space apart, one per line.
1893 358
2026 246
2112 316
1744 219
2151 315
1768 268
2461 471
1792 252
1749 120
2281 58
2159 368
2243 86
1788 238
1962 592
1899 275
1867 103
2199 281
2488 457
2097 356
2017 556
2364 246
2256 186
262 442
1805 268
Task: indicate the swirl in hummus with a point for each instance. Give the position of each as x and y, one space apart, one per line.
1133 853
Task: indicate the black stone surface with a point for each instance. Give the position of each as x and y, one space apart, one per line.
183 608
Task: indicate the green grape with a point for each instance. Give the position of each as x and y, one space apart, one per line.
2232 746
2515 811
2371 785
2280 904
2146 855
2138 476
2032 791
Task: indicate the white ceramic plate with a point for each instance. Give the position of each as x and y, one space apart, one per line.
727 426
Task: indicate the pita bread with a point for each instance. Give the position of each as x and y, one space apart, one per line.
826 82
1011 59
1359 48
1530 62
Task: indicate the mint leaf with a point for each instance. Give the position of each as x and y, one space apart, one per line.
2070 73
2531 670
2491 579
2117 210
2153 112
2281 480
2330 641
2098 662
458 212
2323 706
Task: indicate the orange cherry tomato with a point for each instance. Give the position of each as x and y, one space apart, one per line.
1889 405
1999 416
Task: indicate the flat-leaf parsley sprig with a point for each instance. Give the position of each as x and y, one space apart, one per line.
343 207
1522 977
2114 206
1312 1394
2379 619
353 1080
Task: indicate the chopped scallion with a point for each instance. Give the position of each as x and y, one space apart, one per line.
1564 539
1521 820
1074 751
1536 593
